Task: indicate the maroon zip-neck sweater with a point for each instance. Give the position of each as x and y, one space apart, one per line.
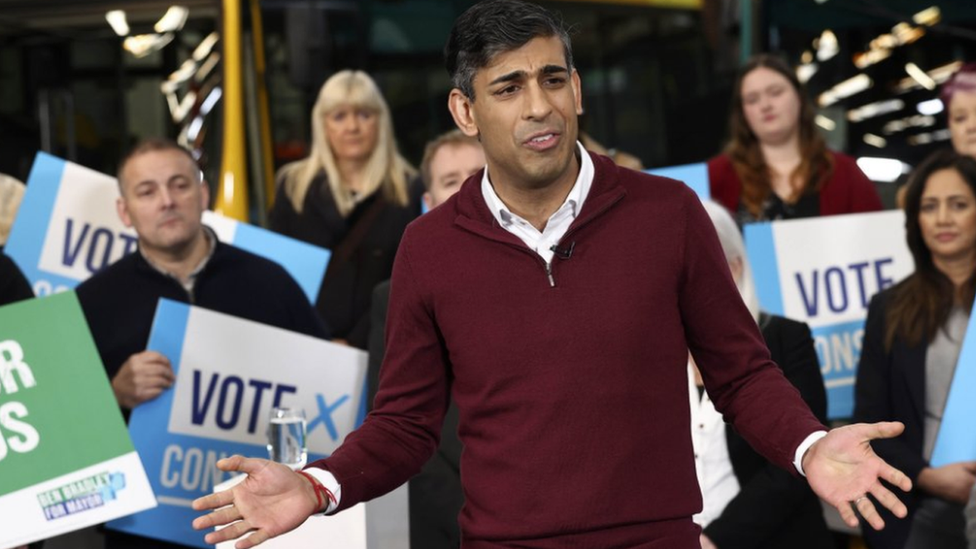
573 395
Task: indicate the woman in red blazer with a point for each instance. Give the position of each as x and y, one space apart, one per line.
777 165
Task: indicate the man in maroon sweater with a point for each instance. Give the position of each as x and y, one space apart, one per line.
556 297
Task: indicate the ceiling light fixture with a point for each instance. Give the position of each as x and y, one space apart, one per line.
173 20
914 121
928 16
929 137
844 89
920 76
875 109
806 71
116 19
825 123
930 107
882 169
142 45
827 46
938 74
875 140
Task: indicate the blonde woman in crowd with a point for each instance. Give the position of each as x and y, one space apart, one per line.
777 165
353 195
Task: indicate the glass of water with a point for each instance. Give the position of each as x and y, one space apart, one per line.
286 437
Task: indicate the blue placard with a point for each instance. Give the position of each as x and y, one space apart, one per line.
31 226
220 403
762 257
839 351
693 175
304 262
67 229
823 271
957 440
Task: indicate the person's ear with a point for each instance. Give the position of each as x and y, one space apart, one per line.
123 211
462 110
204 195
737 267
577 91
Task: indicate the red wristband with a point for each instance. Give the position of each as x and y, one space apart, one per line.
319 491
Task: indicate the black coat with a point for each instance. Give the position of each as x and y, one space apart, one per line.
775 508
891 387
13 285
344 298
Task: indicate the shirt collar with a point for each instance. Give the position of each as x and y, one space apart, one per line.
211 237
574 200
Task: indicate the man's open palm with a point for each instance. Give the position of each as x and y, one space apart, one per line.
843 469
272 500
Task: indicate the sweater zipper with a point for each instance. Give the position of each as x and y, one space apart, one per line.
594 215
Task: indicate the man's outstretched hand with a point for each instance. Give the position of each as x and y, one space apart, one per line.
272 500
842 469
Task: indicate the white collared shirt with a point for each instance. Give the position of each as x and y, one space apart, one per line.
713 466
558 223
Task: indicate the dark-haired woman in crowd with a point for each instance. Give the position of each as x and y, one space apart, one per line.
351 195
912 341
777 165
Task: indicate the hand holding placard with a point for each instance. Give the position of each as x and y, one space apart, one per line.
952 482
142 377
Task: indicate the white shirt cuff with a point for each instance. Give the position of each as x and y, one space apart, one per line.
329 481
802 449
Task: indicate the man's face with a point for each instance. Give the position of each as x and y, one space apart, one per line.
525 113
163 200
449 167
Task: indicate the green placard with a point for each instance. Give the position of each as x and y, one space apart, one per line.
57 410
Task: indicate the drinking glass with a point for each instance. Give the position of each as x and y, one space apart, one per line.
286 437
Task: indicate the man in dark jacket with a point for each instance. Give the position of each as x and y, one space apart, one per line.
162 197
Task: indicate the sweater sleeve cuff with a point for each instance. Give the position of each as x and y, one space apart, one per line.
328 480
802 449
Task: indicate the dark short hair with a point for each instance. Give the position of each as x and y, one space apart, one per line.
492 27
453 138
152 144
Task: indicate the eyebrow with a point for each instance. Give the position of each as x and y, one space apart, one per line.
450 174
517 75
